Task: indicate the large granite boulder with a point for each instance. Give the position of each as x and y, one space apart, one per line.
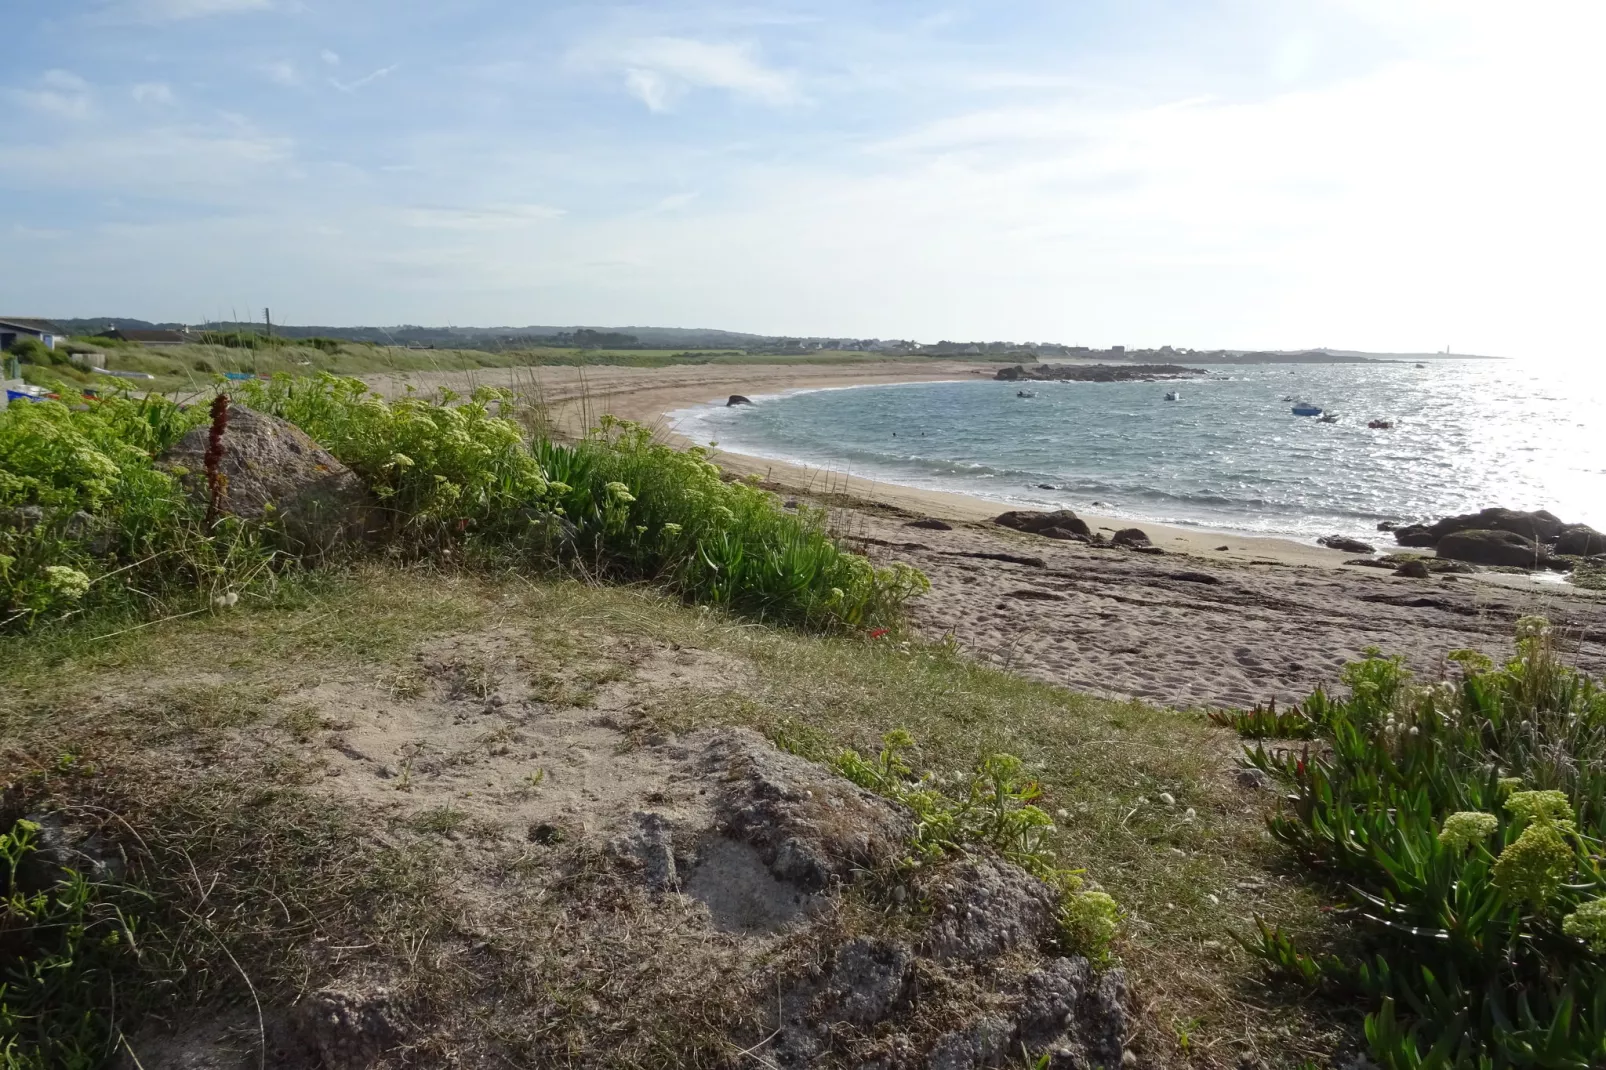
1537 526
1580 540
1059 524
274 472
1484 547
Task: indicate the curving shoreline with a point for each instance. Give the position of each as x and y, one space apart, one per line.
575 397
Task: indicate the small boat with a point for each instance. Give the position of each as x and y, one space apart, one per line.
1380 425
1421 365
1173 395
1329 418
1026 393
1305 408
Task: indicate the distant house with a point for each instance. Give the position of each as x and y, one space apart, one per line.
14 330
146 337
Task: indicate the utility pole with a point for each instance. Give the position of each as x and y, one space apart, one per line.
268 319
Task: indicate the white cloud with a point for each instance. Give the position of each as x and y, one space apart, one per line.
153 93
330 57
283 71
60 94
121 11
370 77
217 166
658 70
487 218
650 87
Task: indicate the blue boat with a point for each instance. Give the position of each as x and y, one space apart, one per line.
1305 408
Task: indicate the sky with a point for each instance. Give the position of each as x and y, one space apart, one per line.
1372 174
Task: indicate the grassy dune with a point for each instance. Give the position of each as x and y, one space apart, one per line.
194 368
199 736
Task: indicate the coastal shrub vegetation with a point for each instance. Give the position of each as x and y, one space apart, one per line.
1462 821
992 805
62 943
88 519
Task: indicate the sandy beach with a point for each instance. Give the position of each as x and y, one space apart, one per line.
1216 620
575 397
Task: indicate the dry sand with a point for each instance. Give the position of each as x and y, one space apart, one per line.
1217 620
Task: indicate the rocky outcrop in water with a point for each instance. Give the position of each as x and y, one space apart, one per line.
1096 373
1506 537
1537 526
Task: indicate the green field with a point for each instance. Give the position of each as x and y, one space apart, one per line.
196 367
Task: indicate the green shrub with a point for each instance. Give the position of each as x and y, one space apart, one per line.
79 491
435 465
992 805
1463 821
62 943
33 351
646 509
81 501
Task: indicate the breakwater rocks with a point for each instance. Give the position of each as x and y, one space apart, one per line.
1506 537
1096 373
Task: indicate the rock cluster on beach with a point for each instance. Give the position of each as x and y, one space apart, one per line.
1066 525
1096 373
1506 537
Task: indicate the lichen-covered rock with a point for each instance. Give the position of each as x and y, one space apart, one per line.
869 982
1077 1015
61 844
274 471
984 1044
349 1030
650 846
812 827
983 907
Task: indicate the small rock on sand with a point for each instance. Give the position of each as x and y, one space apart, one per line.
1346 544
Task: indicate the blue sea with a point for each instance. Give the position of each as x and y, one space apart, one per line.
1228 456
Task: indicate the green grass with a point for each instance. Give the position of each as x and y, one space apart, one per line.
194 367
184 724
1462 823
